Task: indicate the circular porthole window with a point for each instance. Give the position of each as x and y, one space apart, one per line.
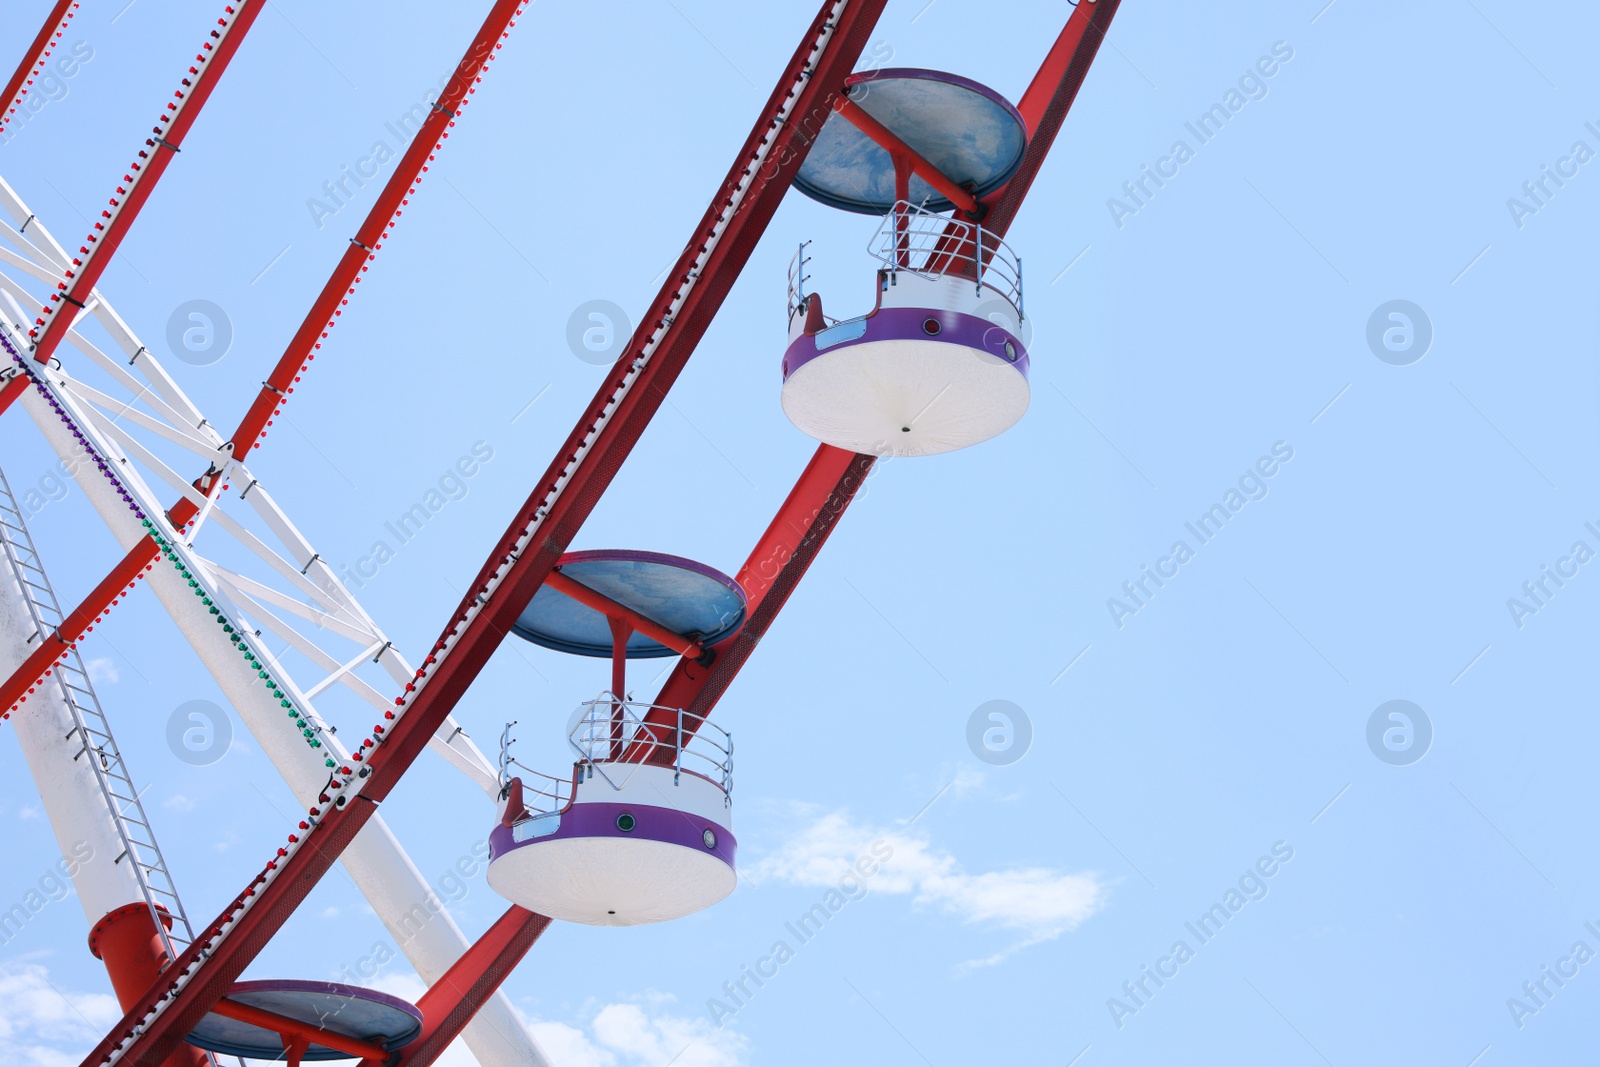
625 822
1011 352
709 838
930 327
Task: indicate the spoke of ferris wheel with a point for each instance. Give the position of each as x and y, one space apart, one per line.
75 289
830 481
28 70
337 614
610 427
325 309
169 402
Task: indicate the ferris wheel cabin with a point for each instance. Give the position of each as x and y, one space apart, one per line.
641 830
939 362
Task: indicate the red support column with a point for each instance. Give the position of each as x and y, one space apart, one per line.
129 944
455 998
165 141
33 62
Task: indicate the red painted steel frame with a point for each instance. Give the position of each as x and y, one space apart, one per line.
1043 107
740 212
162 145
339 284
898 149
54 26
78 622
612 610
832 478
294 1030
15 386
452 1001
776 564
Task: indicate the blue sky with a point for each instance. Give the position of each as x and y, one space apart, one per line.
1174 347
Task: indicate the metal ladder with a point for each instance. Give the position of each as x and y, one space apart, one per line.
89 723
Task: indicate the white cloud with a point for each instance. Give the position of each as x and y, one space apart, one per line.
1038 903
646 1033
44 1025
29 811
178 802
102 670
967 780
641 1035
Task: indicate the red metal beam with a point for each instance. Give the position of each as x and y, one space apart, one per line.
292 1030
1043 107
1048 98
33 62
775 566
55 646
15 386
165 141
628 398
612 610
832 478
898 149
452 1001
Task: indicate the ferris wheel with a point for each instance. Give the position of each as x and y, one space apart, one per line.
639 827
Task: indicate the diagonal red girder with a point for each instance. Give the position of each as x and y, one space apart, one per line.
53 647
1043 107
1045 103
79 281
775 566
14 386
450 1003
55 24
165 141
833 476
605 435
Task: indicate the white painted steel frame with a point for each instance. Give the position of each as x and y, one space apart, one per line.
398 893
